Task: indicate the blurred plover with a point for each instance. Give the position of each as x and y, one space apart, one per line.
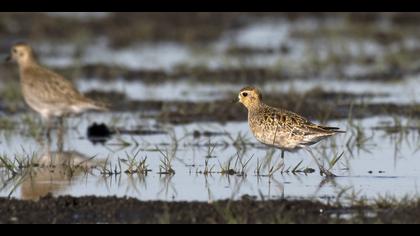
47 92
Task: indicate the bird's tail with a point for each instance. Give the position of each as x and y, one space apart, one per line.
332 129
96 105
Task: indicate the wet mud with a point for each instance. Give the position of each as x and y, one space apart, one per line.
245 211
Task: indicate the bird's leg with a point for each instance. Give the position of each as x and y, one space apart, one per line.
321 167
61 124
49 122
60 133
282 154
270 152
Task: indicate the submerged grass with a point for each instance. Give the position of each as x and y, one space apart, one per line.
109 169
136 165
165 167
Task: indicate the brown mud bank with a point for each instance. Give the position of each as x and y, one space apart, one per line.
323 111
245 75
247 210
192 74
314 104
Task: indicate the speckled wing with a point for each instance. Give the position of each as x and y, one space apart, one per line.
283 119
299 129
48 87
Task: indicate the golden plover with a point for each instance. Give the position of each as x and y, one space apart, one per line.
280 128
47 92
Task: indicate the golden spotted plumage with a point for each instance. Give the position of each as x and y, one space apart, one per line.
284 129
281 128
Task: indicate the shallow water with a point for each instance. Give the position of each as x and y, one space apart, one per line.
402 92
375 162
382 166
303 55
274 35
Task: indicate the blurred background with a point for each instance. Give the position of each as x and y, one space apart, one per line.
127 53
170 79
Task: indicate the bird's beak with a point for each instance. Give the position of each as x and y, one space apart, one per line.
235 101
8 59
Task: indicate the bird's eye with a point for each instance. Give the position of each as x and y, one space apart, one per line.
244 94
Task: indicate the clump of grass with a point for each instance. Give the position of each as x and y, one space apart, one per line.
331 163
135 165
111 170
73 168
17 165
297 169
227 168
268 169
208 170
242 165
9 165
239 168
165 167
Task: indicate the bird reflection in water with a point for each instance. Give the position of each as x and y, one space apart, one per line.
56 171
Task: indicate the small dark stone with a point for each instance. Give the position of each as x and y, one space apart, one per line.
98 133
